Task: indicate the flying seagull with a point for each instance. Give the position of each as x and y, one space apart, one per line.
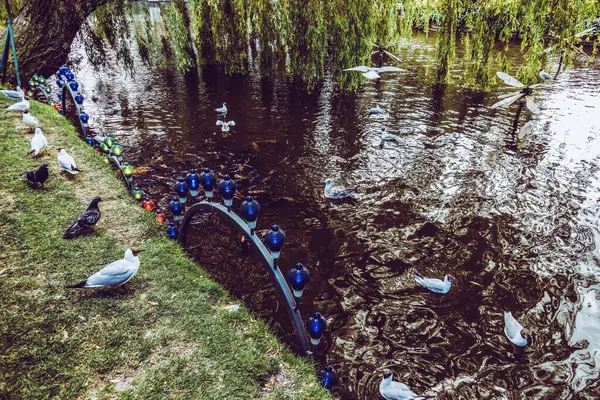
29 119
19 106
114 274
435 285
391 390
225 125
14 94
514 331
38 176
373 72
332 192
67 162
222 110
38 142
86 221
526 91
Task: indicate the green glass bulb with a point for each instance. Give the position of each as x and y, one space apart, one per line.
110 141
127 170
116 149
105 159
48 89
137 194
104 148
30 93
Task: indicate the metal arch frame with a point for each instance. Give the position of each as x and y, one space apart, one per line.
280 281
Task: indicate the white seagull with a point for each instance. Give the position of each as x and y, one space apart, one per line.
14 94
545 76
435 285
67 162
222 110
388 136
332 192
225 125
38 142
19 106
115 273
514 331
372 72
376 110
29 119
391 390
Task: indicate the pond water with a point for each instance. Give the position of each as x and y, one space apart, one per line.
515 223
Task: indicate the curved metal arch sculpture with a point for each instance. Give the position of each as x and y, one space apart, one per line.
280 281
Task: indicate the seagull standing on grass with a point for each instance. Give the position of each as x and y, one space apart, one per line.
38 142
67 162
225 125
373 73
38 176
435 285
14 94
20 106
222 110
29 119
114 274
86 220
334 192
514 331
391 390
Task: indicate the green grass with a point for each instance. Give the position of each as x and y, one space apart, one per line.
168 337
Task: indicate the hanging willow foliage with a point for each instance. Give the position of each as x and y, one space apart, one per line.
304 38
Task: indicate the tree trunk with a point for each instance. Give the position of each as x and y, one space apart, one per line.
44 31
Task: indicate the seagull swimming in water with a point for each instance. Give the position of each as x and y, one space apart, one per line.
38 176
372 72
14 94
332 192
38 142
225 125
67 162
514 331
86 221
376 110
435 285
391 390
19 106
388 136
29 119
222 110
114 274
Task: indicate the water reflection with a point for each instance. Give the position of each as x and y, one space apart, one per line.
515 223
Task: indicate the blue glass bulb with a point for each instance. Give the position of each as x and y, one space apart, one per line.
69 75
172 231
329 377
175 206
316 326
89 140
79 99
227 189
208 180
63 70
192 179
250 210
74 86
181 189
60 83
84 117
275 239
61 111
60 96
298 277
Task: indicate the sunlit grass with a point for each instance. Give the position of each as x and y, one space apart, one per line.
169 333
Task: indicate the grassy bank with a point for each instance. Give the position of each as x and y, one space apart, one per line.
168 337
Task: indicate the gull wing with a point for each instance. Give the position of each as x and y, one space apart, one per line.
525 130
509 80
508 101
371 75
512 327
360 68
219 123
589 30
389 69
532 105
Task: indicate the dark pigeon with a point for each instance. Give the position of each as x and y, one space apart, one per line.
85 222
38 176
